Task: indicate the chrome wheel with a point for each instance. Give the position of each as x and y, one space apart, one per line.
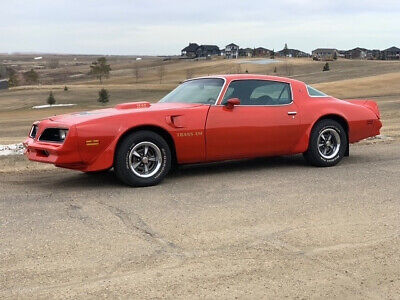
145 159
328 143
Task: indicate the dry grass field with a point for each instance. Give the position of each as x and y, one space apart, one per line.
378 80
255 229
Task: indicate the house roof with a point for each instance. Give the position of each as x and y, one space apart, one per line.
325 49
392 49
359 49
294 51
191 48
232 45
262 48
209 47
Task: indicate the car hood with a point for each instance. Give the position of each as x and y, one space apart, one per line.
120 109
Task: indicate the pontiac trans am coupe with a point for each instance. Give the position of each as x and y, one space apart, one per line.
205 119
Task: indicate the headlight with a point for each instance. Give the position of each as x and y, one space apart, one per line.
57 135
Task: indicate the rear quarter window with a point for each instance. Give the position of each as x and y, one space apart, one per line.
314 92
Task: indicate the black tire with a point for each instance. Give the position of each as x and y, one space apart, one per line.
124 164
315 153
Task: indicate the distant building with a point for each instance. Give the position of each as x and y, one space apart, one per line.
190 51
231 51
207 51
260 51
292 53
247 52
3 84
392 53
374 54
325 53
356 53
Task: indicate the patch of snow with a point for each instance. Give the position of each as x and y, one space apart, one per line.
54 105
259 61
380 137
12 149
76 75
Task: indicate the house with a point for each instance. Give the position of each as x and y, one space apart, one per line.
207 51
374 54
325 54
287 52
356 53
3 84
190 51
246 52
392 53
260 51
231 51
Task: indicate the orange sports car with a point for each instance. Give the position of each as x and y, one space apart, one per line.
205 119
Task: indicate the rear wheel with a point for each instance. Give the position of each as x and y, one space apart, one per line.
328 144
142 159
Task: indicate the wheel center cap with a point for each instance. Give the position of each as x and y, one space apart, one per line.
328 143
145 160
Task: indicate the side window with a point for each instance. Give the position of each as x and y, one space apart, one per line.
259 92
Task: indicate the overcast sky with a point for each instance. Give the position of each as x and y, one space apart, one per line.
150 27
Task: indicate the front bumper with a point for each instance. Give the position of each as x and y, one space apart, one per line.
64 155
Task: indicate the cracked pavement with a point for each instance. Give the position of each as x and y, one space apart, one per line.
264 228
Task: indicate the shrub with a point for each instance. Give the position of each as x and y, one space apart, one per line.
104 96
51 100
65 88
326 67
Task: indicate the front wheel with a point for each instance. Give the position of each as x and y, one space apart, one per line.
142 159
328 144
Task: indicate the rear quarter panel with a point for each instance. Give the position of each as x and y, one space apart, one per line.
360 120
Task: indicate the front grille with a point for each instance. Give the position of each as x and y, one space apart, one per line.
33 132
53 135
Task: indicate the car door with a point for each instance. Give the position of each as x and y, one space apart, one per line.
265 123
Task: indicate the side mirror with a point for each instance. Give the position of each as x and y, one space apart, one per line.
232 102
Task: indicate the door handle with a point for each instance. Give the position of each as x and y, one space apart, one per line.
292 113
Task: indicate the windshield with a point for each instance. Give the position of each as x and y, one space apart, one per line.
203 91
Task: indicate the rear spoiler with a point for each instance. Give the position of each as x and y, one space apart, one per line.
372 105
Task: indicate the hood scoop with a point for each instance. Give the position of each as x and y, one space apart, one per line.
132 105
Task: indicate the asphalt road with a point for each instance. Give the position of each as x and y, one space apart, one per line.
257 228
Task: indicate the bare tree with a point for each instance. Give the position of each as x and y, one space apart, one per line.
136 72
238 69
31 77
161 72
100 68
288 68
189 73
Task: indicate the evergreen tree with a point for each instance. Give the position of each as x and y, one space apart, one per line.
104 96
51 100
